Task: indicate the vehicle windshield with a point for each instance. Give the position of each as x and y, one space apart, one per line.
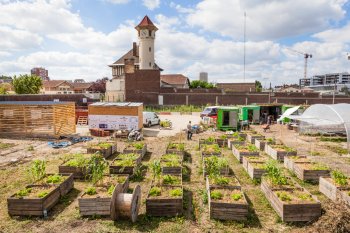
207 110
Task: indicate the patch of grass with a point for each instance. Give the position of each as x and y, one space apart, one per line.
317 153
204 194
332 139
30 148
4 146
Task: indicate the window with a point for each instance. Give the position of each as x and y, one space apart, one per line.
150 49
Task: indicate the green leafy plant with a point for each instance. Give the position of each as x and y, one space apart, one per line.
275 174
156 169
214 164
304 196
43 194
77 160
23 192
250 148
110 190
169 179
214 148
155 191
30 148
128 156
104 145
124 162
270 140
210 140
37 169
216 195
236 196
177 146
97 167
339 178
224 136
54 179
176 192
284 196
90 191
138 145
221 180
319 167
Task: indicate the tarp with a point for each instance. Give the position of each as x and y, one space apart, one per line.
288 113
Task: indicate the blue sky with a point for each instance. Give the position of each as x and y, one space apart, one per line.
79 38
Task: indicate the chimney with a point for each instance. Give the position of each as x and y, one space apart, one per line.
129 66
134 49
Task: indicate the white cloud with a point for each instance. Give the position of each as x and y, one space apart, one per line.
180 8
268 19
151 4
15 39
336 35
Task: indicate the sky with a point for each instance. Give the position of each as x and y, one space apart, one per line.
79 38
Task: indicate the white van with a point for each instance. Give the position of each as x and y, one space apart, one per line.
150 118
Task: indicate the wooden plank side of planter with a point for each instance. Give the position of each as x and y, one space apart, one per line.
210 154
122 170
255 173
278 155
211 186
344 196
221 142
78 172
252 138
232 142
34 206
104 152
130 150
172 170
328 188
66 185
94 206
239 155
260 144
310 175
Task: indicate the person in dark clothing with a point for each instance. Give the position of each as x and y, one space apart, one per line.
189 131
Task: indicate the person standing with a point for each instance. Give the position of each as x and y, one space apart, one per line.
189 131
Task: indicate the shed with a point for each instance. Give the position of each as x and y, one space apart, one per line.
227 118
116 115
36 119
249 113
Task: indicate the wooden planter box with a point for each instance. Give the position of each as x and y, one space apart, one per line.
227 211
278 155
344 196
291 212
221 142
132 150
205 154
104 152
254 172
172 170
65 186
260 144
223 171
252 138
125 184
164 207
211 185
33 206
175 151
203 142
311 175
113 169
239 155
78 172
232 142
331 190
289 162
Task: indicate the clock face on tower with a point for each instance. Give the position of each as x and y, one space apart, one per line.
144 33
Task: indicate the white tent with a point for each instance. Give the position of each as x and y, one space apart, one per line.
326 118
288 113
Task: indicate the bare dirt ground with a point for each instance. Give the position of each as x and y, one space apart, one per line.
65 217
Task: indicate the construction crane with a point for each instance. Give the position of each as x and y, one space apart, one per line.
306 57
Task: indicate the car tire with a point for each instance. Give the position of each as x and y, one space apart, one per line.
149 124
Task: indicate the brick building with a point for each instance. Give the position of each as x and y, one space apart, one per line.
40 72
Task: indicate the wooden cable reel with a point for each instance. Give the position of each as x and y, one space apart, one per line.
125 205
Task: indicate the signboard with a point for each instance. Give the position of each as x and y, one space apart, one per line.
112 122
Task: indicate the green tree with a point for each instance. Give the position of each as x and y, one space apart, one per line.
258 86
5 88
27 84
202 84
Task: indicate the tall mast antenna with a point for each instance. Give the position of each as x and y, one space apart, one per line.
245 16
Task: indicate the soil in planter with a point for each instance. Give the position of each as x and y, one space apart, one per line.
208 149
160 192
35 192
247 148
224 181
227 196
313 166
283 148
258 165
294 196
99 191
113 180
252 159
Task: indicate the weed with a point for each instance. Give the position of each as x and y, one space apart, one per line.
176 192
216 195
236 196
155 191
204 195
90 191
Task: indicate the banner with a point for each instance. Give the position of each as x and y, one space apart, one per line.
112 122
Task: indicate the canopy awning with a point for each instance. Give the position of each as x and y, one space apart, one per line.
288 113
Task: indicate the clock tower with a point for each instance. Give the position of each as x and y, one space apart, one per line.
146 33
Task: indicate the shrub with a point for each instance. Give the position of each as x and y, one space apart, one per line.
176 192
90 191
339 178
236 196
155 191
43 194
216 195
54 179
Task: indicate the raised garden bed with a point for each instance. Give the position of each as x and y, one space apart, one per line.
292 204
77 165
65 182
104 148
214 165
176 148
164 201
222 181
345 196
227 204
247 159
208 141
171 164
244 150
34 200
310 171
169 179
235 141
222 140
255 169
332 186
136 148
260 143
125 164
210 150
289 161
252 137
278 152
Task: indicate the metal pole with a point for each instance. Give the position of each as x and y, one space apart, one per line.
245 16
334 92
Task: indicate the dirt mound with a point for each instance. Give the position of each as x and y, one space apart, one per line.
335 219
